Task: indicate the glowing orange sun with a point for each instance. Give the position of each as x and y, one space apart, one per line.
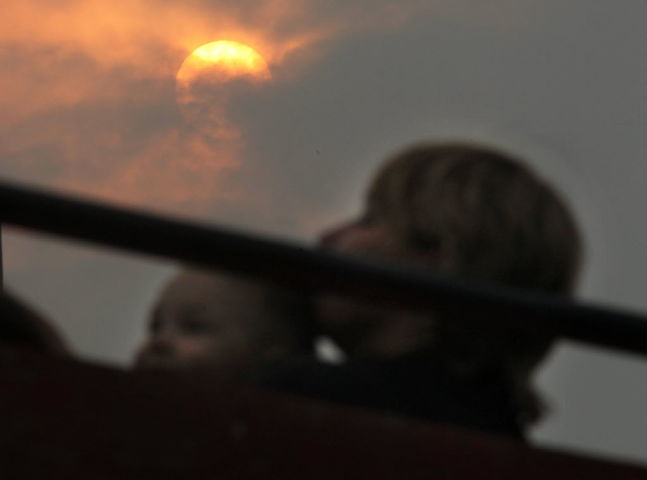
225 60
208 77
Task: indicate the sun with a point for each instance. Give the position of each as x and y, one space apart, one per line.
210 77
224 60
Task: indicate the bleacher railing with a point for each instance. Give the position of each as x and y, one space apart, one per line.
300 267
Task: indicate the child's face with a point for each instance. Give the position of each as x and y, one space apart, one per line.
362 327
200 321
362 236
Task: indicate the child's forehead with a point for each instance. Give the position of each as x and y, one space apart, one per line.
205 289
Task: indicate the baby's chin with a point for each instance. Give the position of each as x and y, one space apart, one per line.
193 367
163 363
147 364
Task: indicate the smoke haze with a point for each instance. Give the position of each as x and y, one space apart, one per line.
88 104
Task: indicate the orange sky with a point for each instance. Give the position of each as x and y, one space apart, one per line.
87 92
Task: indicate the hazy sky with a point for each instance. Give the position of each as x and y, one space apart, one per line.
88 104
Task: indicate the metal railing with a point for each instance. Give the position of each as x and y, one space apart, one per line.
300 267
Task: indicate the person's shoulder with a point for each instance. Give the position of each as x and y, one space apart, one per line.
22 326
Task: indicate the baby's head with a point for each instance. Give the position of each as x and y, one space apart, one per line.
203 320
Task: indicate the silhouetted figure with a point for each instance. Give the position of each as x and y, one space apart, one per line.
21 327
469 211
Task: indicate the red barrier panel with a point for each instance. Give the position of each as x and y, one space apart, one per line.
65 420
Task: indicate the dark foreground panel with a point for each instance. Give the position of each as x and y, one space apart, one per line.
63 420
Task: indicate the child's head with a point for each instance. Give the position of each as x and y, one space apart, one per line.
469 211
203 320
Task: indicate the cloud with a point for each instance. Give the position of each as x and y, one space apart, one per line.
87 88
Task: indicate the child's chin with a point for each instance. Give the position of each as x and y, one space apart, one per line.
152 363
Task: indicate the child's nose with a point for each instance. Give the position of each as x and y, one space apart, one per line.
334 236
162 342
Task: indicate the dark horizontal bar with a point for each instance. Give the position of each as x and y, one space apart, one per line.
301 267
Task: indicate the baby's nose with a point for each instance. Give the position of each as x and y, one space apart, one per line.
162 342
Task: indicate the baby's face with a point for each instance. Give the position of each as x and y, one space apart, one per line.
200 321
